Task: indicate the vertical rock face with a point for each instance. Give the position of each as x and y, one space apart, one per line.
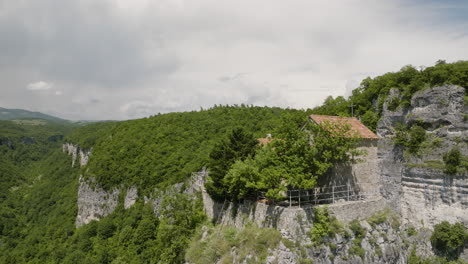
429 197
72 150
390 156
94 203
82 155
130 197
425 196
390 169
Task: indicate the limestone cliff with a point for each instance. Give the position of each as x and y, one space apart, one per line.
93 201
412 184
384 242
78 154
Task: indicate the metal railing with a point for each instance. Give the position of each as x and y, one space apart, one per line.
319 195
325 195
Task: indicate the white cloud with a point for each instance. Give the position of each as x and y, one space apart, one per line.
39 86
127 59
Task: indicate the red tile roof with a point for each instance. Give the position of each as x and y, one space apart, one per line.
264 141
356 125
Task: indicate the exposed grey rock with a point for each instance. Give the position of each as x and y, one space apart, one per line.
386 125
84 156
72 150
430 196
130 197
348 211
94 203
81 154
425 196
442 111
282 255
439 106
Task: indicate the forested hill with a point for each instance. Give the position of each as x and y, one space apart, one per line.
38 191
37 188
10 114
164 149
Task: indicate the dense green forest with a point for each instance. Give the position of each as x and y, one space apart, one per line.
38 186
165 149
38 189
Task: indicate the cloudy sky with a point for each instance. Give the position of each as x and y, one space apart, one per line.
121 59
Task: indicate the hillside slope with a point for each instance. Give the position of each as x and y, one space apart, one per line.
10 114
156 218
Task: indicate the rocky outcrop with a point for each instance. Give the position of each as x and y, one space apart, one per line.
383 241
282 254
78 154
429 196
130 197
425 196
84 156
94 202
390 156
442 112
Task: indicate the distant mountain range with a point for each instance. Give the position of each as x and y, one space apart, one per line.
11 114
22 116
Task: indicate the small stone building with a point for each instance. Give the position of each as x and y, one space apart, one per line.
361 176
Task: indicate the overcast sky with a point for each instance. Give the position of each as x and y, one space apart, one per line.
122 59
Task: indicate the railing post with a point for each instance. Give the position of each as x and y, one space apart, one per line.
315 195
299 198
348 190
290 198
333 194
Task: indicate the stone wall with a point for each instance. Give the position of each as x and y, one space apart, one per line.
361 174
346 212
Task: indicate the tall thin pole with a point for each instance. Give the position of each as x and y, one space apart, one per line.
352 109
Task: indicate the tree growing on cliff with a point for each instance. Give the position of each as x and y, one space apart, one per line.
238 145
448 240
452 160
